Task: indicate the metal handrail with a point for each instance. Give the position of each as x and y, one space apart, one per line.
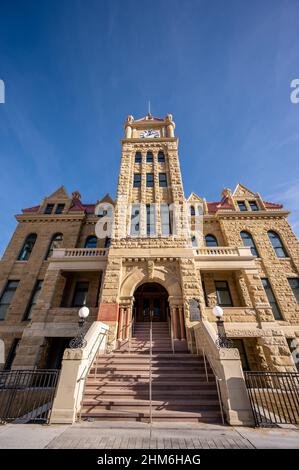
218 379
150 370
87 368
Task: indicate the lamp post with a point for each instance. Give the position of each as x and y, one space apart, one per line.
79 341
222 341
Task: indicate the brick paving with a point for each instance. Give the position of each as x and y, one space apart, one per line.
104 435
141 437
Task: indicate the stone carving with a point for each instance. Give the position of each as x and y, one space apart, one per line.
194 310
150 269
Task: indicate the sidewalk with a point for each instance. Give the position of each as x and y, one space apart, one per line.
107 435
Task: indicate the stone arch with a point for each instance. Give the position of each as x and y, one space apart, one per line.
140 275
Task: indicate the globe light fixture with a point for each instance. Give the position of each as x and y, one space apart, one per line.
222 341
79 341
218 312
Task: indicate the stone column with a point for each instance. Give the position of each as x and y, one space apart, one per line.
182 323
174 321
128 321
276 351
243 289
120 323
258 297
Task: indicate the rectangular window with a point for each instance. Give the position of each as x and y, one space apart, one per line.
242 206
239 344
162 180
253 206
49 208
137 180
294 285
7 297
33 300
135 220
80 294
166 227
59 208
293 342
12 354
223 294
150 180
150 220
272 300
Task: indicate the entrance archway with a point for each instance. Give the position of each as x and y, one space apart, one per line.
150 298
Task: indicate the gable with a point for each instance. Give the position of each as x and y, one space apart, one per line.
60 193
242 191
195 198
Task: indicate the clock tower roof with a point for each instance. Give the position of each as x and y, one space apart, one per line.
149 126
149 117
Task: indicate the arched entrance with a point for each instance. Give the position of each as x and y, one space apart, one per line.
150 299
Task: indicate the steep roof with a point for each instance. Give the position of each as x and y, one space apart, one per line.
148 117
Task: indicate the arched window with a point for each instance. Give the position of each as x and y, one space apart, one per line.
194 241
138 157
27 247
56 242
91 242
192 210
248 241
161 157
277 244
211 240
149 157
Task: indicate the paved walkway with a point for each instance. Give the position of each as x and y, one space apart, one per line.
101 435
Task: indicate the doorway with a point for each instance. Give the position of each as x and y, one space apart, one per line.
151 298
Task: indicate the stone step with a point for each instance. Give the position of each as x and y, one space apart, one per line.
179 404
157 393
166 356
146 361
155 376
166 370
204 416
143 383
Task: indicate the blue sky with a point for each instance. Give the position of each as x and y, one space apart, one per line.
74 70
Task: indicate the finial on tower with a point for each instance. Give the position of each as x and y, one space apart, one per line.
149 115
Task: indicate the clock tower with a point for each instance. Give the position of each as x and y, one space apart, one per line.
150 243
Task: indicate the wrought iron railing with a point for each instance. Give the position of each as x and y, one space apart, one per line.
150 370
27 395
274 397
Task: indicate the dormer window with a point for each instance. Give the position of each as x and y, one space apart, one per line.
242 206
253 206
49 208
59 208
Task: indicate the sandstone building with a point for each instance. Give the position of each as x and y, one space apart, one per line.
164 252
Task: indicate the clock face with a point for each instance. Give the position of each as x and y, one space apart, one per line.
149 133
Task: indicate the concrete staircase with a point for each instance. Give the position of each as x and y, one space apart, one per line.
117 387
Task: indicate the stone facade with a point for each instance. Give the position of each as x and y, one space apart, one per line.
180 260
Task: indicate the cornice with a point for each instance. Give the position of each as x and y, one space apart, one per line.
268 214
49 218
146 140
